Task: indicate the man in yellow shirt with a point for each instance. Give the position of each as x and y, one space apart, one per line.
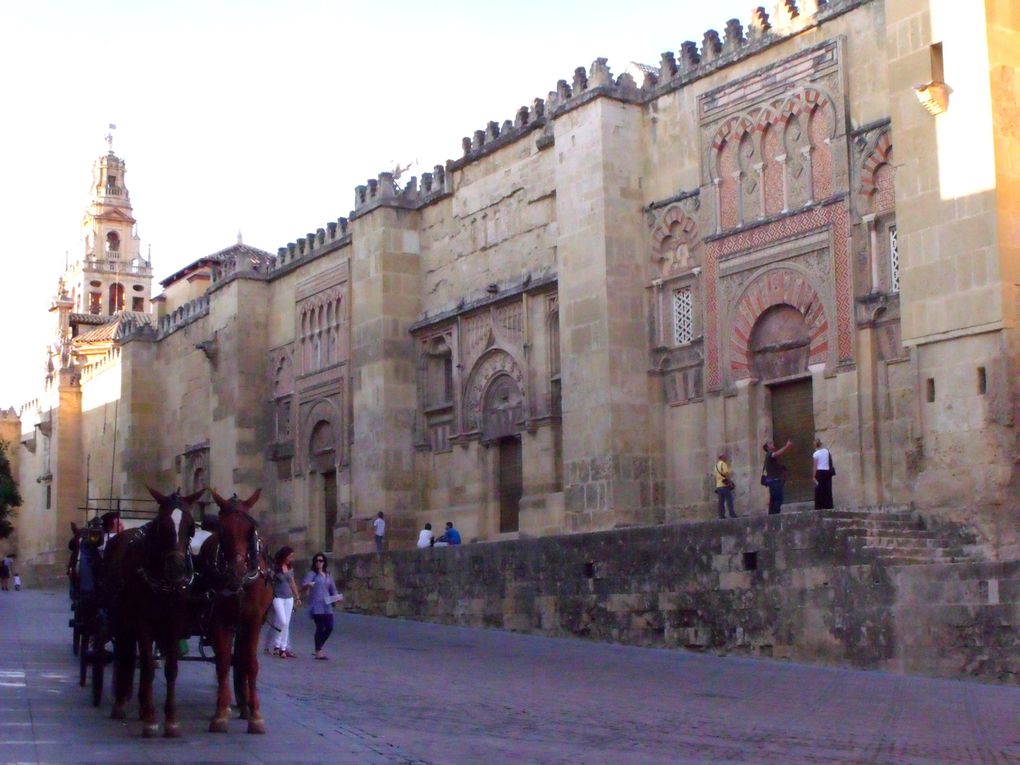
724 485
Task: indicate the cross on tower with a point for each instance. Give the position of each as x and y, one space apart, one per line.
109 137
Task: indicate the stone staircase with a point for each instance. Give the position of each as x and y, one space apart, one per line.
899 536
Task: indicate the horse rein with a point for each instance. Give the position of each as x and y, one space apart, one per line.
159 584
253 562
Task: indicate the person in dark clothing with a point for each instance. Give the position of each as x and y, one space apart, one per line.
775 474
825 469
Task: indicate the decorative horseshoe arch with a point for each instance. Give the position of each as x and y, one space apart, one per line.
777 287
673 240
323 441
493 363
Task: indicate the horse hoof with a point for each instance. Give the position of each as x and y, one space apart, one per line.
118 713
150 730
172 730
218 725
256 726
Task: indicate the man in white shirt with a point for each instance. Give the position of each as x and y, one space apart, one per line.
379 524
824 471
425 537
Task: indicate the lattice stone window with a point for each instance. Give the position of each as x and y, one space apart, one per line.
894 260
683 316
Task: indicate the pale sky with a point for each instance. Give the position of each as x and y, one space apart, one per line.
261 117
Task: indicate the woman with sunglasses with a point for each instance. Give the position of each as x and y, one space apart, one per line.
320 601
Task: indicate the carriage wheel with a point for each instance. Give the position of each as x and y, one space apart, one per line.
98 665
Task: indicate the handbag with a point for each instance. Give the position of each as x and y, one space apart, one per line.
727 481
764 479
832 465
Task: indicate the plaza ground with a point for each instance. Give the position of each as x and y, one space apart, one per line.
406 692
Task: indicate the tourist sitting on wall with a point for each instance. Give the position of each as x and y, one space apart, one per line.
425 537
451 537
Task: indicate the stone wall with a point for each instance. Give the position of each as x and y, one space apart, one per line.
796 586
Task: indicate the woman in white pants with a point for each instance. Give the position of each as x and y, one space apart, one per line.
285 597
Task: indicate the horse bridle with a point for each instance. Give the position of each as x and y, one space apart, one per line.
159 584
253 560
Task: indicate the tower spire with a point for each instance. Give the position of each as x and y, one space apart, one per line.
109 137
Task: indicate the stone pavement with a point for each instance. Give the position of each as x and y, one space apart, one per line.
405 692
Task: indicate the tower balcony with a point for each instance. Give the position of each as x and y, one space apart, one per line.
112 191
117 266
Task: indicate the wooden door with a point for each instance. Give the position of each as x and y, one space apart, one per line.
329 501
511 483
793 417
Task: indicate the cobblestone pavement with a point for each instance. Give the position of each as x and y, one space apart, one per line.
404 692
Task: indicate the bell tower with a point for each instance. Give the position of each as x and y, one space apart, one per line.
112 274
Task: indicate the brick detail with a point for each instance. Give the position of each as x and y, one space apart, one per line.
835 218
871 178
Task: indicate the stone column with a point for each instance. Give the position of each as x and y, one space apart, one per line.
385 301
604 337
66 464
237 326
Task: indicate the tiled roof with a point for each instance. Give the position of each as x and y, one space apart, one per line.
239 253
88 318
116 327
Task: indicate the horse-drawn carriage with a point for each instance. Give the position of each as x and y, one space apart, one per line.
158 583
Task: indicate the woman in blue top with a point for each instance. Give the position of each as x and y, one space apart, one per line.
320 601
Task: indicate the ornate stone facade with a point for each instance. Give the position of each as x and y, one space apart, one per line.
768 236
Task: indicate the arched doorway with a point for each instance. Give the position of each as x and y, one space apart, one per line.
322 477
502 413
780 348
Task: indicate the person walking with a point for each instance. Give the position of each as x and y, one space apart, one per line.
6 567
825 469
322 595
425 537
285 597
724 485
379 524
773 474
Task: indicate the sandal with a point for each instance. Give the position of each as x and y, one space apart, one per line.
287 654
322 658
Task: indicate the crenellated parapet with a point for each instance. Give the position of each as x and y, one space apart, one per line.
385 191
96 368
186 314
675 70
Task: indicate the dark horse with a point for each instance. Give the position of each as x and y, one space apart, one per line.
147 575
235 570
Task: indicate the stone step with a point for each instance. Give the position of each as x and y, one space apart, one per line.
894 556
878 523
897 543
853 514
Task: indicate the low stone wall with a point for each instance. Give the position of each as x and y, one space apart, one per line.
785 586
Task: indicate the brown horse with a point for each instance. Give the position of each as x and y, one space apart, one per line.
147 575
235 570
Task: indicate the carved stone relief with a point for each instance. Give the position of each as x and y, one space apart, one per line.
496 362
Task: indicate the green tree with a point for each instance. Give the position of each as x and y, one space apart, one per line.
10 498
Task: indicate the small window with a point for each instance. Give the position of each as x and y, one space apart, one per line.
750 561
138 304
982 381
95 302
112 242
938 70
930 395
894 260
683 316
49 490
